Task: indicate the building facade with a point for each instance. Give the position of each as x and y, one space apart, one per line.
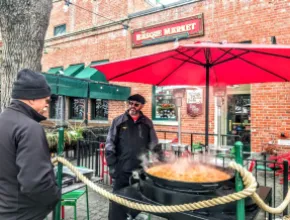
88 32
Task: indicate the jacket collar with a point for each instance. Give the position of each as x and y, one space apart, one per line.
129 116
19 106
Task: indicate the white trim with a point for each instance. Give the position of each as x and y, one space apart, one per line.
99 122
172 123
75 120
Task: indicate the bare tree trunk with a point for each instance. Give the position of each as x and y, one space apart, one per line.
23 25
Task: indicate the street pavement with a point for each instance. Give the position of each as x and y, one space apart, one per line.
98 205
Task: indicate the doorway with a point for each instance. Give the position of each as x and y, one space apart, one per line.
239 119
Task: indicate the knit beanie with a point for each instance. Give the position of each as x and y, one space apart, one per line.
137 98
30 85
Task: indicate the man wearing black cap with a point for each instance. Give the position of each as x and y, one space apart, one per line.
131 135
28 189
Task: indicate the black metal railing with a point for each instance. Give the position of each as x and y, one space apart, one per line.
90 153
193 135
267 176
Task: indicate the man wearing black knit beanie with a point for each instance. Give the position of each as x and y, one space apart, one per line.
27 182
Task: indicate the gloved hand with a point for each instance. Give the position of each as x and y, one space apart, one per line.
157 149
112 171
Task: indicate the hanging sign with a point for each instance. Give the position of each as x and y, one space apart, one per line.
170 31
194 100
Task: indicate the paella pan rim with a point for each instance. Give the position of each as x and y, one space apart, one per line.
192 185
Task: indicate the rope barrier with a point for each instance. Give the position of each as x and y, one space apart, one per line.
248 180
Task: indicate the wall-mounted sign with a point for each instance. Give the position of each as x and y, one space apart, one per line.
170 31
194 101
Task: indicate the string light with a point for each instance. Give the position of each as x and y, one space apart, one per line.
68 3
125 30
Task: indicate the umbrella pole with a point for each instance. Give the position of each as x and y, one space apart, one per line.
179 126
207 66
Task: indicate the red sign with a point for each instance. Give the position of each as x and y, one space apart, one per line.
181 29
194 101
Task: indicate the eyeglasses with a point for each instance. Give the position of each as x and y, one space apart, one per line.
135 104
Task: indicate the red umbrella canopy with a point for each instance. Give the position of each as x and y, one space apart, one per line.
227 64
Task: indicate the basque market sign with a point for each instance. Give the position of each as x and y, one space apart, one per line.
170 31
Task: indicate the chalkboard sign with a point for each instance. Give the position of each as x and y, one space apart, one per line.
77 108
100 109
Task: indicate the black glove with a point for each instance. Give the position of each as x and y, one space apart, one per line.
157 149
112 171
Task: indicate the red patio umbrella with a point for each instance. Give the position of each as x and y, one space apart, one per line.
205 64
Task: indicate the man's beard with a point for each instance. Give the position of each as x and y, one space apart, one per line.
133 111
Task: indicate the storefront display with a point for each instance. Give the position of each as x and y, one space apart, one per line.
164 104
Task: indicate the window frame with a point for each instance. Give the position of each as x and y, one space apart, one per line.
51 109
154 109
71 109
93 105
59 26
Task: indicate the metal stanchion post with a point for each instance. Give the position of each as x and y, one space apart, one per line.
239 183
59 169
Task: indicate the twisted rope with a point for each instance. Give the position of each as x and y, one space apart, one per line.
248 179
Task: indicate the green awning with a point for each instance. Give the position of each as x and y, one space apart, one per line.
92 74
73 70
72 87
110 92
75 87
54 70
52 81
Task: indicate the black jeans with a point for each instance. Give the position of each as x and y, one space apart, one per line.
116 211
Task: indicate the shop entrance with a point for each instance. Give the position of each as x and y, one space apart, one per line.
239 119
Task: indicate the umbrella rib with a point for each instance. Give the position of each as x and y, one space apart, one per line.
266 53
232 58
256 65
187 61
226 52
171 73
191 58
141 67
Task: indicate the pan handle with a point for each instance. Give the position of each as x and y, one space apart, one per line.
210 185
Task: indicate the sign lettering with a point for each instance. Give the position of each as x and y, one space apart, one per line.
181 29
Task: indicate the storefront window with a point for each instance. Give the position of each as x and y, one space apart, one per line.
77 108
99 109
163 104
55 108
239 119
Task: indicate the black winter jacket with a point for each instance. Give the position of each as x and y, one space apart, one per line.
127 141
28 189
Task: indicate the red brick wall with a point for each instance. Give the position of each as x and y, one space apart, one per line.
224 20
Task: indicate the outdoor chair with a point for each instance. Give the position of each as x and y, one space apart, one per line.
71 198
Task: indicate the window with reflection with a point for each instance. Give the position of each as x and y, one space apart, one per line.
163 104
55 108
77 108
99 109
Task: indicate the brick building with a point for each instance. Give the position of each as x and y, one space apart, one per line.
259 113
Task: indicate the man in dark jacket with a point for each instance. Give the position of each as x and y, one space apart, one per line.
131 135
28 189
